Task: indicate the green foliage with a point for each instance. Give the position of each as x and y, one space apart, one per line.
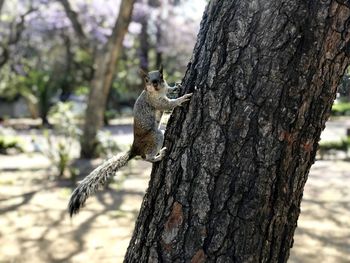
342 145
82 90
106 145
127 80
110 114
65 120
341 109
62 139
11 86
34 85
329 146
83 57
8 143
38 83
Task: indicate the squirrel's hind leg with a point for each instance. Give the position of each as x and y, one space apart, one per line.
156 158
157 153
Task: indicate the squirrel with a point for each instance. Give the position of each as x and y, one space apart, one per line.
148 138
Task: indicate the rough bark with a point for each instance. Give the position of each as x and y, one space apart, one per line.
239 154
105 68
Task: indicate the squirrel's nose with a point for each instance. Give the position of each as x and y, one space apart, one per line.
155 84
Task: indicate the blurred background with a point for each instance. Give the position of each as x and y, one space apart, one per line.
50 61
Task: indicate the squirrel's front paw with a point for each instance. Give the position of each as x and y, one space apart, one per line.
162 153
186 97
183 99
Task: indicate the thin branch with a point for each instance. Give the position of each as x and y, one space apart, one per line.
15 36
73 17
19 27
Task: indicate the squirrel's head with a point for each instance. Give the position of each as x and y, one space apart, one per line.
154 81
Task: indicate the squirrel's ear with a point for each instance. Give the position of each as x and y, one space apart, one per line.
161 69
144 75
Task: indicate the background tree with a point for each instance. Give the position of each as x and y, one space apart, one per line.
105 67
239 155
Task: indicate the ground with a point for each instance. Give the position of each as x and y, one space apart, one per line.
323 233
35 226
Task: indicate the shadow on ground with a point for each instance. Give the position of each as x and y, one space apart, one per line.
35 226
323 233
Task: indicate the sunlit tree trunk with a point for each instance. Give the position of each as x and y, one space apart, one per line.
101 83
239 154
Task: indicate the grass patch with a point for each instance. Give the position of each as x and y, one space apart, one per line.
8 143
341 109
327 147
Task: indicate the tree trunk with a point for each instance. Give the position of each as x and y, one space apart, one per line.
66 85
239 155
144 44
105 67
1 4
159 51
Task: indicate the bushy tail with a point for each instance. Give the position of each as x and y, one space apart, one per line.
95 180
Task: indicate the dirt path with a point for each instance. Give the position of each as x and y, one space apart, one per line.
35 227
323 233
